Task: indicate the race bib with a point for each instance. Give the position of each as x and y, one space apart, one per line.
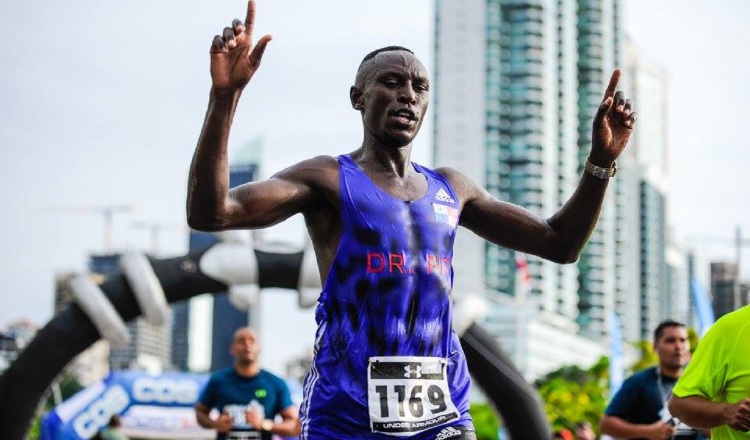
243 435
408 394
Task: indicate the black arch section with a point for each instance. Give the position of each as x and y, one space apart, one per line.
514 399
67 334
70 332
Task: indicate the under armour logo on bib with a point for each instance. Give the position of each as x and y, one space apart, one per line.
417 371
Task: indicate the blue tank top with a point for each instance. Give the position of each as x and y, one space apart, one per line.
387 361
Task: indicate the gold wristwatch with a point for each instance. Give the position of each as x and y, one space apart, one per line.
600 172
266 425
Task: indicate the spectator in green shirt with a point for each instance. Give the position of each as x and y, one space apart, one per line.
714 390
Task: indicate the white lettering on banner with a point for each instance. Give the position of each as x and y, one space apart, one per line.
112 401
149 389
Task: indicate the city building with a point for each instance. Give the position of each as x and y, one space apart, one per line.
516 87
505 101
649 146
180 354
13 339
677 304
726 288
604 264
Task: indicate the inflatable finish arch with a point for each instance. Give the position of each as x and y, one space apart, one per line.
151 284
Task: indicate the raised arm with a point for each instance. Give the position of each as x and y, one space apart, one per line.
211 205
560 238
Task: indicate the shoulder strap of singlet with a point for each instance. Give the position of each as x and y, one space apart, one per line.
434 175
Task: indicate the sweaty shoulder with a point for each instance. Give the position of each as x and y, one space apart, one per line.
314 171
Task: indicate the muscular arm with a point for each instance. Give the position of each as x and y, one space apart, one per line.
699 412
211 205
560 238
619 428
221 424
202 417
290 424
208 204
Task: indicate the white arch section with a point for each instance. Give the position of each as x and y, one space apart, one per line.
102 313
146 287
231 263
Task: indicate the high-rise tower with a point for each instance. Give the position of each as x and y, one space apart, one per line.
517 85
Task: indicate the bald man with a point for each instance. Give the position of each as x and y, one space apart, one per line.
247 397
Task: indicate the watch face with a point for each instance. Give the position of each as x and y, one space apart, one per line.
266 425
601 173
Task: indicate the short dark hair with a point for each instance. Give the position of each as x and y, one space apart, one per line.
373 54
666 324
114 421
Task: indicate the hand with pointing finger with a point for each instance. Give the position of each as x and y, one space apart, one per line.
613 125
234 57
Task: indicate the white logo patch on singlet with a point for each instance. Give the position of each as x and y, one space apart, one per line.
442 196
408 394
448 432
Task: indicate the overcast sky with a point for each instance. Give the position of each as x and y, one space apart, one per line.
102 103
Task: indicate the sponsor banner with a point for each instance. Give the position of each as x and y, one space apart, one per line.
147 403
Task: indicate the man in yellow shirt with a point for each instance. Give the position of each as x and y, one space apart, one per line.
714 390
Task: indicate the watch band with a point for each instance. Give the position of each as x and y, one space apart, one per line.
597 171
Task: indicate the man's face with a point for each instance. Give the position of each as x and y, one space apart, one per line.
673 347
245 347
393 97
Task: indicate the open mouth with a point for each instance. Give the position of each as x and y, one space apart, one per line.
405 116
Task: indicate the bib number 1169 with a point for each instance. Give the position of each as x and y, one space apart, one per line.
408 394
416 397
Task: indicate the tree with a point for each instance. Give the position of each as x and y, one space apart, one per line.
572 394
486 423
69 386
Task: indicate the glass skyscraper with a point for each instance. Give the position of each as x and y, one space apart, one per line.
517 86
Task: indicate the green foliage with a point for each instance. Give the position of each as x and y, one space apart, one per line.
35 431
693 338
647 358
69 386
486 422
571 394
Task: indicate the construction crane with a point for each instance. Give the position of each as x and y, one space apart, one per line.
154 229
106 211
